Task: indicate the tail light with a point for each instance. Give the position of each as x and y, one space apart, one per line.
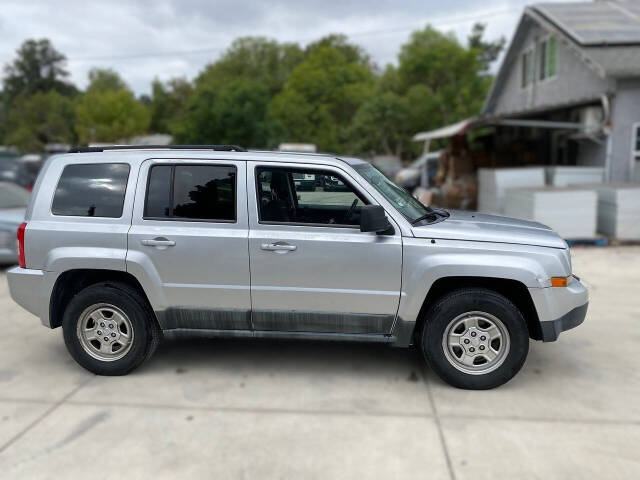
21 259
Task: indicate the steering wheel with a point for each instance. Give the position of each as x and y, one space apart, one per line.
347 215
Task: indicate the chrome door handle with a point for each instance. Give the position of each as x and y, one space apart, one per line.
158 242
275 247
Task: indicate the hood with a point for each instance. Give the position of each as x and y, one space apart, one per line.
481 227
12 216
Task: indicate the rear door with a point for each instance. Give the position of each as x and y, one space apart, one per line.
189 242
312 269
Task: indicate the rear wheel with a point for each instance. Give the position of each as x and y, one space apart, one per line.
109 329
475 339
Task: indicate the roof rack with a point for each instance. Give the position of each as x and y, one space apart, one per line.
218 148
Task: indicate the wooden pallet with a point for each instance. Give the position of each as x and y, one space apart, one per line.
594 242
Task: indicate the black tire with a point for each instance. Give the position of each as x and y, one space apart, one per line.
146 332
453 305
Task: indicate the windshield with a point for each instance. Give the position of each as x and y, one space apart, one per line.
408 206
13 196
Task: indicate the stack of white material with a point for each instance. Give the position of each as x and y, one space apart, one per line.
565 176
571 211
619 210
493 183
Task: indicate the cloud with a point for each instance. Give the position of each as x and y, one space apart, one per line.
142 39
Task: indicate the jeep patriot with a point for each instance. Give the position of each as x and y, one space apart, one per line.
122 246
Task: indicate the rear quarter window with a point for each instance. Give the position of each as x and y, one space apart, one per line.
191 192
91 190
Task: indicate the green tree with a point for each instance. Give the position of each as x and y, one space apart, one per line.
169 103
37 119
233 114
105 79
321 97
438 81
38 67
351 52
488 50
257 59
108 116
230 99
380 125
3 118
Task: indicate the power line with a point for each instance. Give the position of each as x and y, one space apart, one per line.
366 33
451 21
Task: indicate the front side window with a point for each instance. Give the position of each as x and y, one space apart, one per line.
313 197
91 190
408 206
192 192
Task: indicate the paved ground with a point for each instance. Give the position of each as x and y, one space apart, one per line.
257 409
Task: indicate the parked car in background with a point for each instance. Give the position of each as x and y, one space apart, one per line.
410 177
305 181
16 171
120 246
13 203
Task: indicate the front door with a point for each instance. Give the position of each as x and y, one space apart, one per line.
312 270
188 242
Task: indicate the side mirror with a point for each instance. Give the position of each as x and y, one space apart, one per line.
373 219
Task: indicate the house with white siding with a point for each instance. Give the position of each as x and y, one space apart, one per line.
569 87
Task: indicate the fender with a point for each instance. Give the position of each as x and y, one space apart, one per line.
62 259
425 262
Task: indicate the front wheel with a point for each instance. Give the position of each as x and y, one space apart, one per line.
475 339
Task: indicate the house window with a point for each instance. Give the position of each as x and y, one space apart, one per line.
548 58
527 68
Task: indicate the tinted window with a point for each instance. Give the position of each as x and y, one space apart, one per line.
159 192
307 196
199 192
92 190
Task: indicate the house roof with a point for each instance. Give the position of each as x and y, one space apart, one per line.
595 23
606 35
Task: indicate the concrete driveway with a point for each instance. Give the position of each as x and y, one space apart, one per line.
264 409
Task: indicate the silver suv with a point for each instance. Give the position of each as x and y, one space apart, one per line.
122 246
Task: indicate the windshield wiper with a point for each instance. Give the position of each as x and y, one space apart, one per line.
431 214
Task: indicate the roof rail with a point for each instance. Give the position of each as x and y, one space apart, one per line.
218 148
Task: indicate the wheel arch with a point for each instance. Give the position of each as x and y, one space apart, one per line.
70 282
513 290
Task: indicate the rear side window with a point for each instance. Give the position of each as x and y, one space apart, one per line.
193 192
91 190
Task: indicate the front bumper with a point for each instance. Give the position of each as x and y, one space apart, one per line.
560 308
551 330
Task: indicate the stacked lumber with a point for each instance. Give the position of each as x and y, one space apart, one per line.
565 176
571 211
619 210
494 182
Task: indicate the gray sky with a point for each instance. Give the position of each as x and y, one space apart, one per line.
167 38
